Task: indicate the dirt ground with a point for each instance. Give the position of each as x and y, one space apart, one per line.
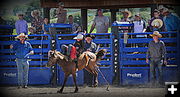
37 91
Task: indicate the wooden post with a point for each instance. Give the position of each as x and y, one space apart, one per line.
113 15
46 13
84 19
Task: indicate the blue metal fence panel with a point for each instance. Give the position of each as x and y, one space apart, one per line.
133 55
38 74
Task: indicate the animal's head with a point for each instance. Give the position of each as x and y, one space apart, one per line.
53 57
101 53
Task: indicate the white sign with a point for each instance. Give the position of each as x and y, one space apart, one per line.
138 75
9 74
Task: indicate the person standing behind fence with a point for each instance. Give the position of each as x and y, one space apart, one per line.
101 23
45 26
139 25
74 25
172 22
156 22
37 21
61 13
156 53
21 25
22 50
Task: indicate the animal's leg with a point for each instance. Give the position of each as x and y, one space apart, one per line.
65 79
74 78
95 78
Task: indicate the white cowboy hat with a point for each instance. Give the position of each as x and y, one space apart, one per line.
79 36
157 23
128 12
21 35
61 4
156 33
35 11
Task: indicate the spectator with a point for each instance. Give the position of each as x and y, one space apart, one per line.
157 54
139 25
126 15
156 22
172 22
74 25
101 23
45 26
89 46
61 13
37 21
79 30
21 25
22 49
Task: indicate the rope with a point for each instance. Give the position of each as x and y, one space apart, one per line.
107 89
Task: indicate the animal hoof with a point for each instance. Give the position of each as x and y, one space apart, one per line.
76 90
59 91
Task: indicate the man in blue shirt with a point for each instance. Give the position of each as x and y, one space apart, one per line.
22 51
172 22
21 25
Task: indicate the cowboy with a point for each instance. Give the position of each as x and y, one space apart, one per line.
61 13
21 25
126 15
156 22
23 50
101 23
157 54
91 47
89 44
37 21
171 21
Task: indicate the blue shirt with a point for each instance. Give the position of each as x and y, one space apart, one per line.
172 22
46 27
21 27
90 46
22 50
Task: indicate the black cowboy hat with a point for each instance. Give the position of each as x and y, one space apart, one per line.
90 35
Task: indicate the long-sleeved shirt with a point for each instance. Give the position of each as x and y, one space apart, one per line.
156 51
21 27
172 22
90 47
22 50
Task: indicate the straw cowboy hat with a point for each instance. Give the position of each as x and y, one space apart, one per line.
35 12
157 23
128 12
21 35
79 36
61 4
156 33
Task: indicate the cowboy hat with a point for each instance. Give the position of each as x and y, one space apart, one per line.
90 35
128 12
61 4
35 12
157 23
21 35
79 36
156 33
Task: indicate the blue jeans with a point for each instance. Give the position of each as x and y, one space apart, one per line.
23 69
156 67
